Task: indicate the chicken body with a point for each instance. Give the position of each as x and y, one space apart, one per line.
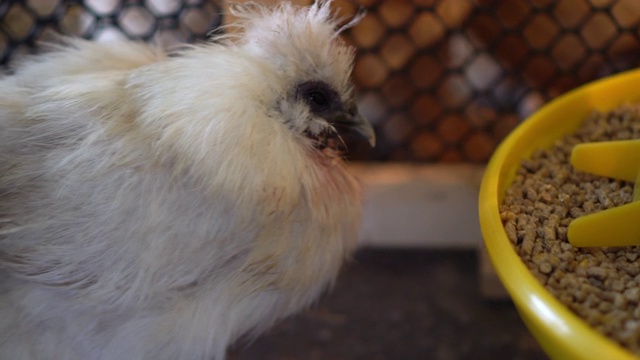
160 207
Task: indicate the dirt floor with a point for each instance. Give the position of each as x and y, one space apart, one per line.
401 304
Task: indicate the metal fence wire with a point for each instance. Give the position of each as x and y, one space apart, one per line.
442 80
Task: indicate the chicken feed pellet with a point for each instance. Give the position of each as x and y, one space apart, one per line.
601 285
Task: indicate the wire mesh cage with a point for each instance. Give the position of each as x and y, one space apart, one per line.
167 22
442 80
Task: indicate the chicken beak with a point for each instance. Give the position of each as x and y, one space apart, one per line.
362 128
352 123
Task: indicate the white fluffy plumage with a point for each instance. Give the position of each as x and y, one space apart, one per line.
161 207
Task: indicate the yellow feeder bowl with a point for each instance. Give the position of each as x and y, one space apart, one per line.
561 333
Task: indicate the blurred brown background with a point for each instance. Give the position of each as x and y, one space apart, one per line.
443 81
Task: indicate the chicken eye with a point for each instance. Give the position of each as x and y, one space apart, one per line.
318 96
317 100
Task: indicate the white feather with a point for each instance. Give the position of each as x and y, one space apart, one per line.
160 207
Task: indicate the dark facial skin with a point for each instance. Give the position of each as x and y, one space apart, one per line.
325 102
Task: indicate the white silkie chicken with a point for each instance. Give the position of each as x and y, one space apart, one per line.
160 207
